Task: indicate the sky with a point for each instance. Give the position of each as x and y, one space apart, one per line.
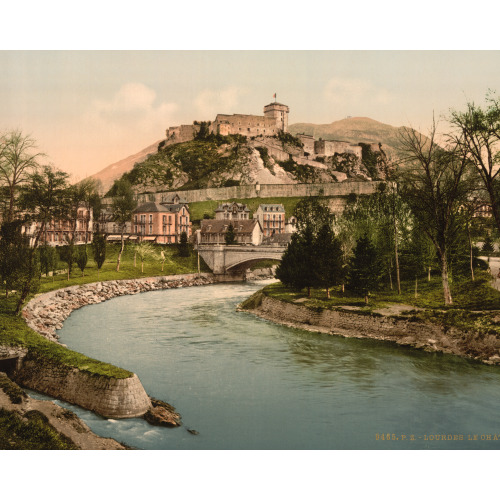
88 109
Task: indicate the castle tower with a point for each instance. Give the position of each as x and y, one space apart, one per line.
279 113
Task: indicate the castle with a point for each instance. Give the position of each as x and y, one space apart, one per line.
274 120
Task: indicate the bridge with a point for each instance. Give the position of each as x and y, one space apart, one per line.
234 260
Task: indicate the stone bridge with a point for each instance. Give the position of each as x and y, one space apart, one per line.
234 260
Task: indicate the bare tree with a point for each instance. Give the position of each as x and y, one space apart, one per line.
477 131
18 159
435 184
122 206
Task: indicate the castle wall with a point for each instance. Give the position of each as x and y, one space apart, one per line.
308 141
329 148
248 125
278 190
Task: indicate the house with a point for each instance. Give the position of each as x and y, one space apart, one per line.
271 218
160 222
232 211
108 226
247 232
58 232
291 224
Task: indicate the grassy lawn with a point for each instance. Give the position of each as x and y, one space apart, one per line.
152 267
14 331
200 208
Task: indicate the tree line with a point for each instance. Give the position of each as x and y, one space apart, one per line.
421 219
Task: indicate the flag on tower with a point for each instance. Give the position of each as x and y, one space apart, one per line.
274 96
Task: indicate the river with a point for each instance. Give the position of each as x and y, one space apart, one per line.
245 383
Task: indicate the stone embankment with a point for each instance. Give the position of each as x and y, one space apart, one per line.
108 396
395 328
46 313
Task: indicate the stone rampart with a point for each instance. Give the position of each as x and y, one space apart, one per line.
109 397
276 190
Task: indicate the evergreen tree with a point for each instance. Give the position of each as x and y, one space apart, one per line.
328 259
48 259
365 269
184 245
230 237
99 248
296 266
82 258
488 245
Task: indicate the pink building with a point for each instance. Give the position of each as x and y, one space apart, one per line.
161 223
271 218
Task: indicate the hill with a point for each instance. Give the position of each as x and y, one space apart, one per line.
355 130
218 161
114 171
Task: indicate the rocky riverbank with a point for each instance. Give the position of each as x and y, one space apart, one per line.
381 325
46 313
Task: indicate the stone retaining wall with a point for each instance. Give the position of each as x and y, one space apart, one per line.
46 313
398 329
109 397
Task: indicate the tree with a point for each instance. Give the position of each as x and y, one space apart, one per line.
19 265
312 212
48 259
230 237
328 259
67 253
144 250
18 159
44 198
477 131
184 250
82 258
435 184
365 269
297 263
122 206
99 250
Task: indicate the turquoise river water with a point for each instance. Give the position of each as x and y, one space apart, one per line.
246 383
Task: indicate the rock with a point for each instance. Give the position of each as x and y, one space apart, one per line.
162 417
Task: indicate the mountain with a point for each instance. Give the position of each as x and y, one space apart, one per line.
355 130
114 171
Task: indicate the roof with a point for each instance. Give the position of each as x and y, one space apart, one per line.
279 238
227 206
212 226
272 207
170 198
150 206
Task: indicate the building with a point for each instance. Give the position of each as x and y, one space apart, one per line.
59 232
274 120
291 224
160 222
247 232
271 218
232 211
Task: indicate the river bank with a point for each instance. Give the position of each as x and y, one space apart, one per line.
396 324
107 390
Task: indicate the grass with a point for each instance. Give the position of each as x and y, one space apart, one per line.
15 332
30 432
152 267
200 208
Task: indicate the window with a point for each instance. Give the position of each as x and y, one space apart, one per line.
151 229
150 218
143 219
135 229
164 219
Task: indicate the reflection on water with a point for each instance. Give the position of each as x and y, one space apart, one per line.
245 383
